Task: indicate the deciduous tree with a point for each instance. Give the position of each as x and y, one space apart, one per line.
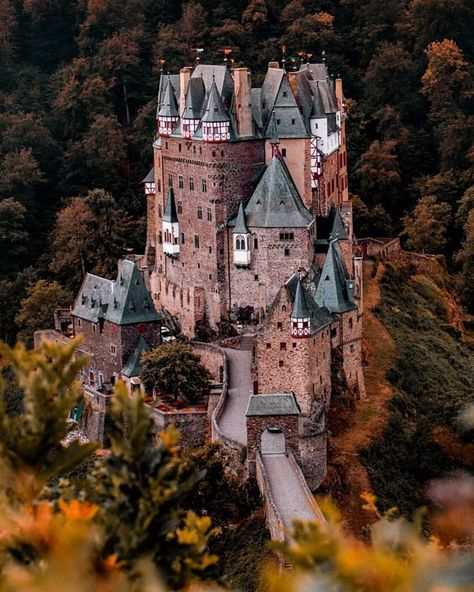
426 227
13 236
174 369
37 309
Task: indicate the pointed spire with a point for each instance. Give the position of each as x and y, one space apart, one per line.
170 214
274 139
215 111
240 224
300 306
169 107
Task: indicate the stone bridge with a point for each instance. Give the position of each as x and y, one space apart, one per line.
270 455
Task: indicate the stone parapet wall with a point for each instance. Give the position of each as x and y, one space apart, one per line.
272 515
95 409
304 485
213 358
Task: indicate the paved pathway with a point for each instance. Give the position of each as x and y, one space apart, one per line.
288 493
232 422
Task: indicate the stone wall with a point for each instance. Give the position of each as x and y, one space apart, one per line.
256 425
193 426
272 263
111 345
228 171
286 364
213 358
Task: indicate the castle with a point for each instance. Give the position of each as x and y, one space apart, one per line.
248 206
247 209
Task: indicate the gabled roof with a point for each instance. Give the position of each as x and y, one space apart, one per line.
275 404
122 301
170 214
276 203
215 111
334 288
289 121
240 225
132 366
169 105
305 304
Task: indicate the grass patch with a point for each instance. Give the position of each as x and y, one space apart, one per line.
432 379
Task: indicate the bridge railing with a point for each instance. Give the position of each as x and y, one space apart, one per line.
304 485
272 514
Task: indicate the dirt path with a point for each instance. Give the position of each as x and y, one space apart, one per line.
371 414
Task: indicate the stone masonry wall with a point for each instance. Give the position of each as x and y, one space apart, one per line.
273 261
227 170
286 364
212 357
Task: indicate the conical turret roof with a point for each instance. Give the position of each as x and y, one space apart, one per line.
169 107
332 291
215 111
301 308
170 214
240 225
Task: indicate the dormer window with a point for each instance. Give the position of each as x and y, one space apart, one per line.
131 307
83 299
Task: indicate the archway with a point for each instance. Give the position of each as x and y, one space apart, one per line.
272 441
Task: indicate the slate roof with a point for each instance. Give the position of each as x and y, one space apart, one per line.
169 105
122 301
170 214
307 306
275 404
166 79
150 178
194 98
301 309
331 226
132 366
240 225
276 203
334 290
215 111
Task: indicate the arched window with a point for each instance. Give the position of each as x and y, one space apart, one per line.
240 243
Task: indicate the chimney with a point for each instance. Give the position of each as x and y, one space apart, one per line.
242 102
339 95
273 65
184 76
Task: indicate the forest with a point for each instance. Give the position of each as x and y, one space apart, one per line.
78 84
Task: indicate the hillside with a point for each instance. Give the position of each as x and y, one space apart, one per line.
419 377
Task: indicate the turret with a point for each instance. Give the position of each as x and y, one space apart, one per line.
215 121
149 182
168 115
300 315
241 239
170 227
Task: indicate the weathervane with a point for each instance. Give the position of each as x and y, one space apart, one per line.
197 51
283 56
